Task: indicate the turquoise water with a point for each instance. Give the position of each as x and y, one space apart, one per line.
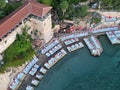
81 71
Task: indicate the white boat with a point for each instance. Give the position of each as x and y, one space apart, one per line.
48 47
29 87
43 70
80 44
47 65
36 66
15 84
117 33
21 76
96 42
35 82
30 65
69 48
34 69
113 39
48 54
39 76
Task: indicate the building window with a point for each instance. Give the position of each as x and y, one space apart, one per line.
20 23
10 31
13 29
5 35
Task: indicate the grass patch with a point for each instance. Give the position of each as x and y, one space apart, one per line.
13 58
17 62
19 52
96 20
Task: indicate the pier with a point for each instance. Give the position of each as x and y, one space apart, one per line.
113 37
93 45
73 44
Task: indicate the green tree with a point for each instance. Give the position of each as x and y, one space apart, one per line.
84 11
69 13
8 8
64 6
2 4
107 4
1 14
55 4
73 1
46 2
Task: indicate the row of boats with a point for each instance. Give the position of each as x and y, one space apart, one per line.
37 78
117 34
43 70
73 44
71 41
51 62
39 74
75 35
93 45
114 36
32 69
109 19
55 52
17 81
103 30
48 47
55 59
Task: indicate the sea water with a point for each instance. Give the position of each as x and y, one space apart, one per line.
81 71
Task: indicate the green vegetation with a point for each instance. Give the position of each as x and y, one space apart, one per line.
64 6
110 4
47 2
66 9
7 8
84 11
2 4
76 12
96 18
19 52
72 11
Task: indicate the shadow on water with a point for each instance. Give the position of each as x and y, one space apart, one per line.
81 71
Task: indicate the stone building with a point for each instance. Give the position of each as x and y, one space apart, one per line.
35 15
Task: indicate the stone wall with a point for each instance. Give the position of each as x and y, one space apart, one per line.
7 41
41 29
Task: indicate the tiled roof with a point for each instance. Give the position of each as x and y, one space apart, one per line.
29 7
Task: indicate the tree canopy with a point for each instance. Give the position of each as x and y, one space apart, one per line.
47 2
19 52
2 4
110 4
7 8
64 6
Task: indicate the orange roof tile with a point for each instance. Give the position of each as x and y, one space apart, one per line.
29 7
